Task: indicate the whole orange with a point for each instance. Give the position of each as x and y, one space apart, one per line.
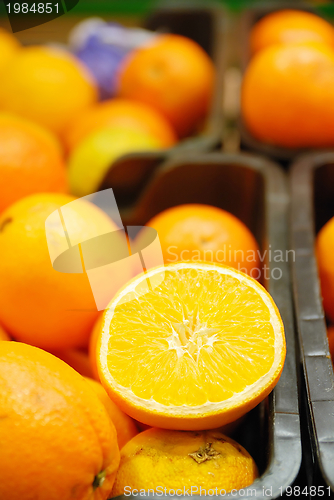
125 426
288 95
205 233
119 112
38 304
289 26
205 463
324 252
54 430
174 75
47 85
30 160
8 47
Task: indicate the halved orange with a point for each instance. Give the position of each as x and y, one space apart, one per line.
190 346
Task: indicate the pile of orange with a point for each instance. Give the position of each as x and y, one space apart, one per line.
188 341
288 94
164 94
31 160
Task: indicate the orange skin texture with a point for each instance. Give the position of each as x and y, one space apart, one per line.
55 432
125 426
206 230
161 458
288 95
125 113
324 253
174 75
290 26
39 305
30 161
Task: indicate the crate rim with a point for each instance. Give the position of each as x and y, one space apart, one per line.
303 239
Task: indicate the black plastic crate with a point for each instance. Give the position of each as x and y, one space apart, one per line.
312 192
253 189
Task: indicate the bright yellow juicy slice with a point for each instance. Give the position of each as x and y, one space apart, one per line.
190 346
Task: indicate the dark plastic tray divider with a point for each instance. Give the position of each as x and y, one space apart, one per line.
317 364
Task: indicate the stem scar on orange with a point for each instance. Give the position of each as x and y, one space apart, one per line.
158 459
190 346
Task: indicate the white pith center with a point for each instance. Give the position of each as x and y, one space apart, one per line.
190 336
187 338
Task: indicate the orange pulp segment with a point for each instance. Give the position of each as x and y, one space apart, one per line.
190 346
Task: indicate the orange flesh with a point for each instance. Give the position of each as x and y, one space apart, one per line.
201 339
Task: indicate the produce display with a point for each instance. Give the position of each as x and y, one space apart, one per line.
287 90
165 387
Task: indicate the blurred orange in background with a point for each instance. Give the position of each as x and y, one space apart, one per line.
47 85
90 161
125 113
9 45
288 95
289 26
31 160
174 75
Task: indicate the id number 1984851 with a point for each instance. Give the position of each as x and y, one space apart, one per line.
35 8
311 491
